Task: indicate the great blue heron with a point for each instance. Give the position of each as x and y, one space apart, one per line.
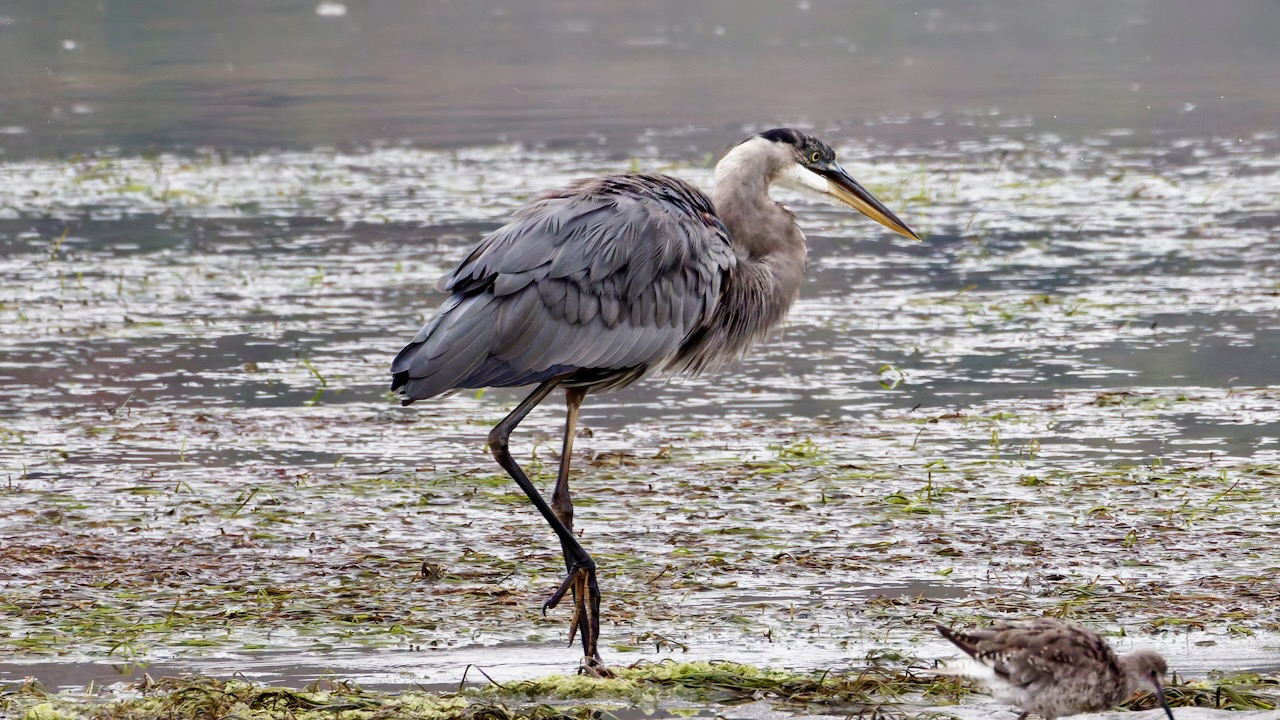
596 285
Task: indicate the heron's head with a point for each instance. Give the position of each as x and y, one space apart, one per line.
809 165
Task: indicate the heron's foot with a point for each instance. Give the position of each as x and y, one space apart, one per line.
594 667
581 582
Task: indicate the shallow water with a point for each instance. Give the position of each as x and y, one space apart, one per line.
1064 400
1036 408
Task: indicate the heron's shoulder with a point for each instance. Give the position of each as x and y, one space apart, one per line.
671 192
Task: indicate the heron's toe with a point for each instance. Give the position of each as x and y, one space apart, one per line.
594 667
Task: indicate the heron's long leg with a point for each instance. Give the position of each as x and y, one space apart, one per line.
582 569
561 502
586 615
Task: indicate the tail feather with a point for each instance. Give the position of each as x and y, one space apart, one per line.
964 642
428 366
968 668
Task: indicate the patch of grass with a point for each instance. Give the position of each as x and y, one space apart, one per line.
891 682
1245 691
803 449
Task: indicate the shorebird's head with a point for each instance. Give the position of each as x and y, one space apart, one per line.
1146 670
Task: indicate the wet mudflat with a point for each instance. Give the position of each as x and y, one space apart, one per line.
1062 401
217 227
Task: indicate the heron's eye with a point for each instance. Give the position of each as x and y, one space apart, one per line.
815 156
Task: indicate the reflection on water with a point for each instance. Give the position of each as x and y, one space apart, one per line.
150 75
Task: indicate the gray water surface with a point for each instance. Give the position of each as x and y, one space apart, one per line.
150 76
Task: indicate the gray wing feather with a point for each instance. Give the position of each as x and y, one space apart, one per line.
448 348
638 341
662 301
546 349
516 316
588 306
608 274
552 292
610 309
617 352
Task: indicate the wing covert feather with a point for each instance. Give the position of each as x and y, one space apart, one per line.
608 274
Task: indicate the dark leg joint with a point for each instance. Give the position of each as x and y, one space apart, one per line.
499 441
577 572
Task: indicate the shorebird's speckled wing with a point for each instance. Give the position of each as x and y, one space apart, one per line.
1022 652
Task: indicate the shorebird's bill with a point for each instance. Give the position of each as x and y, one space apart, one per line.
1160 696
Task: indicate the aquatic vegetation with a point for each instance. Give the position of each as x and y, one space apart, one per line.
1038 410
699 689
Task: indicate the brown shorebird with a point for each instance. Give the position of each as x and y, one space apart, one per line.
1054 667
